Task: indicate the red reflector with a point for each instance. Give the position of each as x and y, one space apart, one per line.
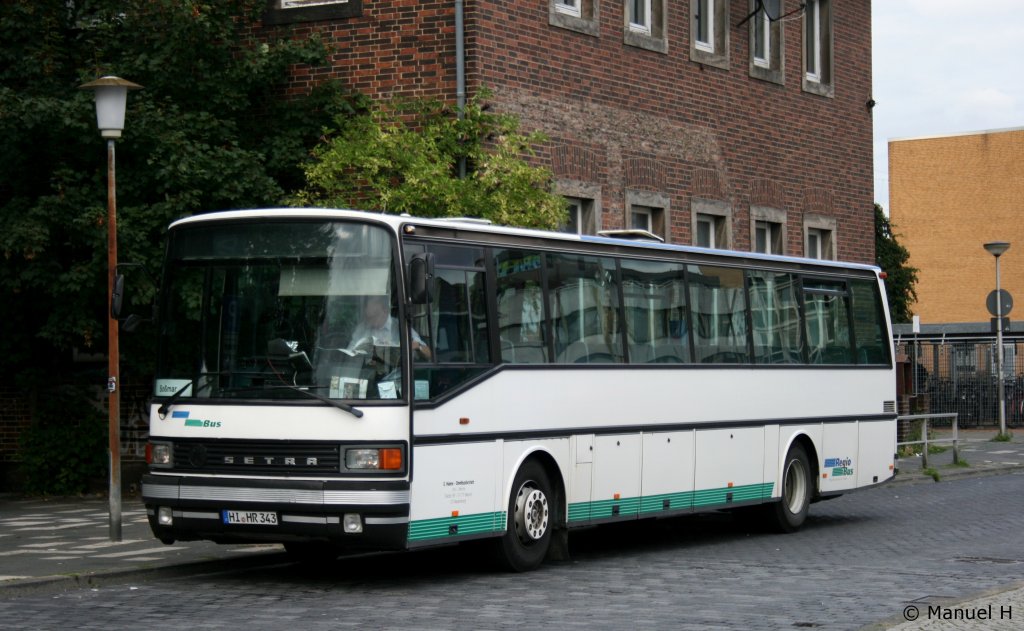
149 453
883 275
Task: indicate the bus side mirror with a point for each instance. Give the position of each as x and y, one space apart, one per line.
421 271
117 296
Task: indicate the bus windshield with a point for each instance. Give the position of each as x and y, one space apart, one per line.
257 311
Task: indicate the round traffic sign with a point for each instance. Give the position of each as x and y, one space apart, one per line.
1005 301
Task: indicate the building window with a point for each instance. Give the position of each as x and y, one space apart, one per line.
568 7
710 223
581 216
819 237
645 24
818 47
709 35
704 25
766 40
767 237
819 243
575 15
647 211
710 231
640 16
767 230
291 11
642 218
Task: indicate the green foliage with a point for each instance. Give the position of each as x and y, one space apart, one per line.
1003 438
65 449
211 130
892 258
403 157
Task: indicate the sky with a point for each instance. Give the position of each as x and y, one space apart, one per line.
944 67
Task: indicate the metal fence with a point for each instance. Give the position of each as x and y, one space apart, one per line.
959 376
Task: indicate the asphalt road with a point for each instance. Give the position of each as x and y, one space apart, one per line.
859 560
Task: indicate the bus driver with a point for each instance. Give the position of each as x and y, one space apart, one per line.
380 328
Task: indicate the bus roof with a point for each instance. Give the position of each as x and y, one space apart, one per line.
485 227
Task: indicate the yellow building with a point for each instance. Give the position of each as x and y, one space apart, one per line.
948 196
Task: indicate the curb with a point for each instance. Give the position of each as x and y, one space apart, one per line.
949 473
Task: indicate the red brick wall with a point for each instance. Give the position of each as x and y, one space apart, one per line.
622 104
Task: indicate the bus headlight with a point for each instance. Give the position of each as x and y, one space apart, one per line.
160 454
374 458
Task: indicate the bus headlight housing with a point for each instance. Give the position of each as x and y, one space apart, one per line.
374 459
160 454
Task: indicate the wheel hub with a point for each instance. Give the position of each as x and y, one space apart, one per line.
531 518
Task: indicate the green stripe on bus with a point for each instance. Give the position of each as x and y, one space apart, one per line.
583 511
466 525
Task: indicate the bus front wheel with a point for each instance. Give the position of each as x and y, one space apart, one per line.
789 513
530 520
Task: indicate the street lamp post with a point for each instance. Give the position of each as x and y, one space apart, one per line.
111 98
996 249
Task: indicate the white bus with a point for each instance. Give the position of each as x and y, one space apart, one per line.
335 380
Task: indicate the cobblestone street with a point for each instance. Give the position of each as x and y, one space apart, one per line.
860 560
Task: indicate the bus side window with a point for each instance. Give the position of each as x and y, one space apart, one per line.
656 320
775 317
584 304
521 318
869 323
826 309
719 305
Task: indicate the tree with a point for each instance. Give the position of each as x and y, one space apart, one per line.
403 157
211 130
892 258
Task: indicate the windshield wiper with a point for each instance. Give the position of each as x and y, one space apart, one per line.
166 405
309 393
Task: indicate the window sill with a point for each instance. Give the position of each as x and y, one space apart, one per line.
646 42
275 15
587 26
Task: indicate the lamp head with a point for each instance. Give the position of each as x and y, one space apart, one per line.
996 248
111 98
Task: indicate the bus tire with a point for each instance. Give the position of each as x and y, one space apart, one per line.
789 513
530 520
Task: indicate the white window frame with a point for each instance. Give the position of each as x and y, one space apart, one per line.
709 222
822 228
645 212
812 45
719 213
762 25
705 13
655 206
569 7
581 210
643 24
814 244
772 236
773 221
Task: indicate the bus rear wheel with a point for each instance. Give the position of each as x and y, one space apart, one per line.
790 512
530 520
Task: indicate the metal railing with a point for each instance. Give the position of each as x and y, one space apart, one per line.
925 441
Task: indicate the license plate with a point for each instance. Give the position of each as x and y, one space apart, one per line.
261 518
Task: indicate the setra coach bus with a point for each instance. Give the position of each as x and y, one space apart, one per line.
335 380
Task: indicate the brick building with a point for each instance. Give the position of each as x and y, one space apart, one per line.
948 196
743 124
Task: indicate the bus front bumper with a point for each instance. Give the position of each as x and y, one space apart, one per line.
355 515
